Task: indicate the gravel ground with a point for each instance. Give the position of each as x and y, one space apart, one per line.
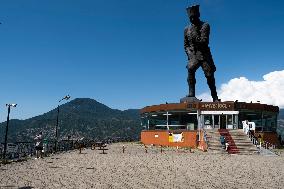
173 168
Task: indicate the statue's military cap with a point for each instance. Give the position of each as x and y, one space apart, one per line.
193 10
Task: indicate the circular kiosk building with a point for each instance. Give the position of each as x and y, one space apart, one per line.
182 124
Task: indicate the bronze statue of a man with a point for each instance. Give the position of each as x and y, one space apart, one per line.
196 41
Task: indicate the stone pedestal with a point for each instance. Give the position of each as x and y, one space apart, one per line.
189 99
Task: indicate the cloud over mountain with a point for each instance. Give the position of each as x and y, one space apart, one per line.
270 90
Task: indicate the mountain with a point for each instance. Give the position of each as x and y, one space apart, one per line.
81 117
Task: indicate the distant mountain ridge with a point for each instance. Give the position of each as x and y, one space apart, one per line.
81 117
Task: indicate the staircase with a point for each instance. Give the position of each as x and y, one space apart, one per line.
214 145
242 142
233 149
239 142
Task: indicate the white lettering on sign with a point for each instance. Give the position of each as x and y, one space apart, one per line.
216 106
222 106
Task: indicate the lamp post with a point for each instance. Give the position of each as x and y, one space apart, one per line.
6 134
56 128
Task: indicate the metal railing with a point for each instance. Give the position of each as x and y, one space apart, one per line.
261 144
267 145
24 150
253 139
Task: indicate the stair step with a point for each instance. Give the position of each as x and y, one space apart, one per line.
239 143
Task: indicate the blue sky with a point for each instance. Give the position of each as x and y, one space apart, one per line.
126 53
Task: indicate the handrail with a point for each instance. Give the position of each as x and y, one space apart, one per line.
27 148
205 136
169 125
253 139
268 144
205 139
263 144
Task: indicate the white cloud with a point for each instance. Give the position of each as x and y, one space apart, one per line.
206 97
270 90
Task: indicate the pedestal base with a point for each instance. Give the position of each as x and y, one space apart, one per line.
189 99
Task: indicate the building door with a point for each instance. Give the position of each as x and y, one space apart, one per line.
222 121
216 121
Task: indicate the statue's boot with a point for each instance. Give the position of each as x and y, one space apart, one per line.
191 84
212 86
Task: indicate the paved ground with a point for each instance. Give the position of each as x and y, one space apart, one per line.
137 169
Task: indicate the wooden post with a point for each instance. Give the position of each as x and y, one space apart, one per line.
80 148
93 147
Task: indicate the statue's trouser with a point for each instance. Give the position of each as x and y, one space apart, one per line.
212 86
191 82
210 81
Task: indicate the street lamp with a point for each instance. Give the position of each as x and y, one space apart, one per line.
6 134
56 129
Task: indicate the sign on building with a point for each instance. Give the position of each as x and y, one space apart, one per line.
176 137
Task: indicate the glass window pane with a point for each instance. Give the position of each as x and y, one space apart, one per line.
216 121
207 120
229 119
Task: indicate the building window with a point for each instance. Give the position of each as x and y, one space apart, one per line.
229 119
